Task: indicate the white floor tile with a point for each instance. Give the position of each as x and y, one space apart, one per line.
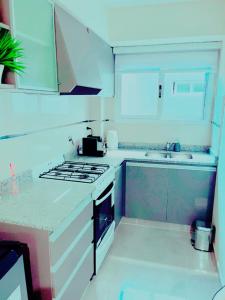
151 262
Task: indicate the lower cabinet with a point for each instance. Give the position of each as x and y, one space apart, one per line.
72 255
190 194
119 193
80 278
171 193
62 261
146 191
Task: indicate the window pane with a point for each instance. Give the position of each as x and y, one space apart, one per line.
187 100
183 88
139 94
199 87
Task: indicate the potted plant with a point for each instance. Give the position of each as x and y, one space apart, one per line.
10 52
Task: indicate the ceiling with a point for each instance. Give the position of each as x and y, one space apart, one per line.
111 3
146 22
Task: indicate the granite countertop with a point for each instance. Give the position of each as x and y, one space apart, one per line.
116 157
45 204
42 204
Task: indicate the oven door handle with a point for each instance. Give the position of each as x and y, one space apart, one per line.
99 201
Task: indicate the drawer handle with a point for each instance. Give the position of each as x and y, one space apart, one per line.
99 201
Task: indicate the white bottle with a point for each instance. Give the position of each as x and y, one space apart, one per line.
112 140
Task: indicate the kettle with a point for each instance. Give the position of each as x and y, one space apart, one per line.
112 140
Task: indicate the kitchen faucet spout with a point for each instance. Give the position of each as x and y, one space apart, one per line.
173 147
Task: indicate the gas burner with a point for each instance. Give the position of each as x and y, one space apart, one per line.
76 171
57 174
70 167
83 176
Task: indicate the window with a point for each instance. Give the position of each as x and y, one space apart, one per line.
184 96
139 94
177 86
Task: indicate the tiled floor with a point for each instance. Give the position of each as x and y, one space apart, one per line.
154 261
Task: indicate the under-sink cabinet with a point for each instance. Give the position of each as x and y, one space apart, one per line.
62 261
173 193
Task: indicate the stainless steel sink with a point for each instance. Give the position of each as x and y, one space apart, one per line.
181 155
168 155
158 155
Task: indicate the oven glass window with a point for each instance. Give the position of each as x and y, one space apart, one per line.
104 216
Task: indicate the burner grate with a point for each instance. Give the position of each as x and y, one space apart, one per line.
76 172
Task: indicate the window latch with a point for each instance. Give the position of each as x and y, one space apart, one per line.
160 91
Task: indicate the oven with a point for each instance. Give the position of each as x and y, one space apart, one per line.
104 224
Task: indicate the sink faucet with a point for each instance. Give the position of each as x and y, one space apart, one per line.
173 147
169 146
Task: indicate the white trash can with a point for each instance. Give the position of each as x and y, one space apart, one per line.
203 236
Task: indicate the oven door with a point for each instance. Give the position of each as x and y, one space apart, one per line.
103 213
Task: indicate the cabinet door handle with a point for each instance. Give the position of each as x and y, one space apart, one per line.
160 91
171 166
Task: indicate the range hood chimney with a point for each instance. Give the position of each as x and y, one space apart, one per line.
77 56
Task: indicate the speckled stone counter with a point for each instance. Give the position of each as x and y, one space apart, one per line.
42 204
45 204
116 157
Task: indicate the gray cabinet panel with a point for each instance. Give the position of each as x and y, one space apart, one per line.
81 279
190 195
61 275
58 247
119 194
146 192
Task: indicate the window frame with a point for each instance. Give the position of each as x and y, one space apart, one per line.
208 101
118 86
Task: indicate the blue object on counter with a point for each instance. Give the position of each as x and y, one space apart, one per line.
177 147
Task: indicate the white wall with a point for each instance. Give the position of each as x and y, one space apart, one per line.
218 146
156 131
144 23
219 104
21 113
159 131
91 13
219 210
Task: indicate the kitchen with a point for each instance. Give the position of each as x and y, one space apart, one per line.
163 168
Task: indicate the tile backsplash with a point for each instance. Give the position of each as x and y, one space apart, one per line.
14 184
153 146
21 113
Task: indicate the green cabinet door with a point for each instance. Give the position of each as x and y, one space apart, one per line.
33 25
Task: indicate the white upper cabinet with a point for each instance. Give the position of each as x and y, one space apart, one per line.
33 24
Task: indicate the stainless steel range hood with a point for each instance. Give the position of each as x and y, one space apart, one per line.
79 56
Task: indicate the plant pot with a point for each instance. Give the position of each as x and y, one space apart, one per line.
1 71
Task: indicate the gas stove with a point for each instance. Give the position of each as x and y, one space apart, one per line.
76 172
103 177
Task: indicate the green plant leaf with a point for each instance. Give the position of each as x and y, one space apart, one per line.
10 52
